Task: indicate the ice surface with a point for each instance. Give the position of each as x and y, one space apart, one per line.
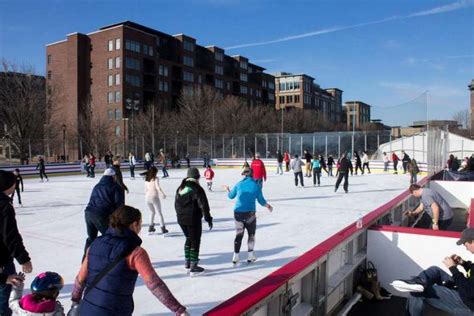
52 225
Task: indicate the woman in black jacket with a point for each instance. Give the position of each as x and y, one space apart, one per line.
191 205
11 243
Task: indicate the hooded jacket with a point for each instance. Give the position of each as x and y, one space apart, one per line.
191 204
16 300
106 197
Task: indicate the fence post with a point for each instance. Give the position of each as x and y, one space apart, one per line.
80 147
199 146
136 145
462 149
266 145
413 147
232 147
301 146
424 139
314 143
187 145
390 142
289 143
338 145
223 147
365 141
326 146
143 146
378 141
244 148
29 148
255 143
278 144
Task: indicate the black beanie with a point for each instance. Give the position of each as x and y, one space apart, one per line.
7 179
193 173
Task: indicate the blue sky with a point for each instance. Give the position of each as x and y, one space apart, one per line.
382 52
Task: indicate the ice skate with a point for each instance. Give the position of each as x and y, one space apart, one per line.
195 269
235 258
251 258
164 231
151 228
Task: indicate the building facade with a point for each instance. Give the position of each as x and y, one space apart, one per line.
300 91
356 112
125 66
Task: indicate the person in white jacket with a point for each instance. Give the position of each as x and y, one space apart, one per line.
152 199
42 301
365 162
386 161
132 162
296 165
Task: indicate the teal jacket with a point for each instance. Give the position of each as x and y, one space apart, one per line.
247 192
315 163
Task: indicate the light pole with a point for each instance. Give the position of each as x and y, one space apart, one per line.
132 106
64 142
125 120
282 111
353 113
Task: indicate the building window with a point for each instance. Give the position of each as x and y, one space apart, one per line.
243 77
219 83
148 50
243 64
271 97
118 96
228 85
271 85
289 99
297 99
200 79
157 41
258 93
163 71
49 75
117 62
132 63
117 79
250 70
243 89
49 59
117 130
219 56
163 86
282 99
188 61
110 97
132 80
189 46
110 80
110 115
117 43
251 91
110 63
289 84
132 46
111 45
264 84
118 114
188 76
219 70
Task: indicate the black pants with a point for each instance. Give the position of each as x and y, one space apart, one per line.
330 170
43 173
395 165
188 162
245 221
165 172
344 175
358 166
92 171
17 189
317 175
132 171
95 223
366 164
193 241
405 166
287 165
299 175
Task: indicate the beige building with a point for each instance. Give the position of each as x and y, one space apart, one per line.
356 112
299 91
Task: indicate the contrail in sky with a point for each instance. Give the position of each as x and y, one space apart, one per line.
461 4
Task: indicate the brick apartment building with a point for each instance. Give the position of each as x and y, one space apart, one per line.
300 91
360 110
99 71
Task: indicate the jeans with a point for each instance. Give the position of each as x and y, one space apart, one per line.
344 175
413 178
5 290
385 166
165 172
444 224
279 168
245 221
358 166
95 223
132 171
405 166
317 176
436 295
300 176
330 170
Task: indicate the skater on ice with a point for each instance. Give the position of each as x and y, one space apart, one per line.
209 175
131 163
152 199
42 169
191 206
297 167
246 192
19 182
259 170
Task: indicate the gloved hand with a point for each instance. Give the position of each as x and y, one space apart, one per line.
209 222
74 311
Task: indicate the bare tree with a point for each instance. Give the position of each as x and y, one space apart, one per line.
463 117
22 105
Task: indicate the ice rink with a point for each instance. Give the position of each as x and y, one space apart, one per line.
52 225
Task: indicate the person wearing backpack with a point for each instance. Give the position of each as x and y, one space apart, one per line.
106 281
413 170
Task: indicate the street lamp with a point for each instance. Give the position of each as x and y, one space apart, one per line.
125 120
132 106
353 113
64 142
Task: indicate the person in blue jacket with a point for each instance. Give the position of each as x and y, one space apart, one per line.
105 198
247 191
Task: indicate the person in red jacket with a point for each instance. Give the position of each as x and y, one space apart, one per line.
209 175
286 159
258 169
395 160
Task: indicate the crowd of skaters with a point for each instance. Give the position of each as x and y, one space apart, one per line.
120 224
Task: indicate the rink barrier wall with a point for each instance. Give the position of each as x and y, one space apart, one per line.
321 280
